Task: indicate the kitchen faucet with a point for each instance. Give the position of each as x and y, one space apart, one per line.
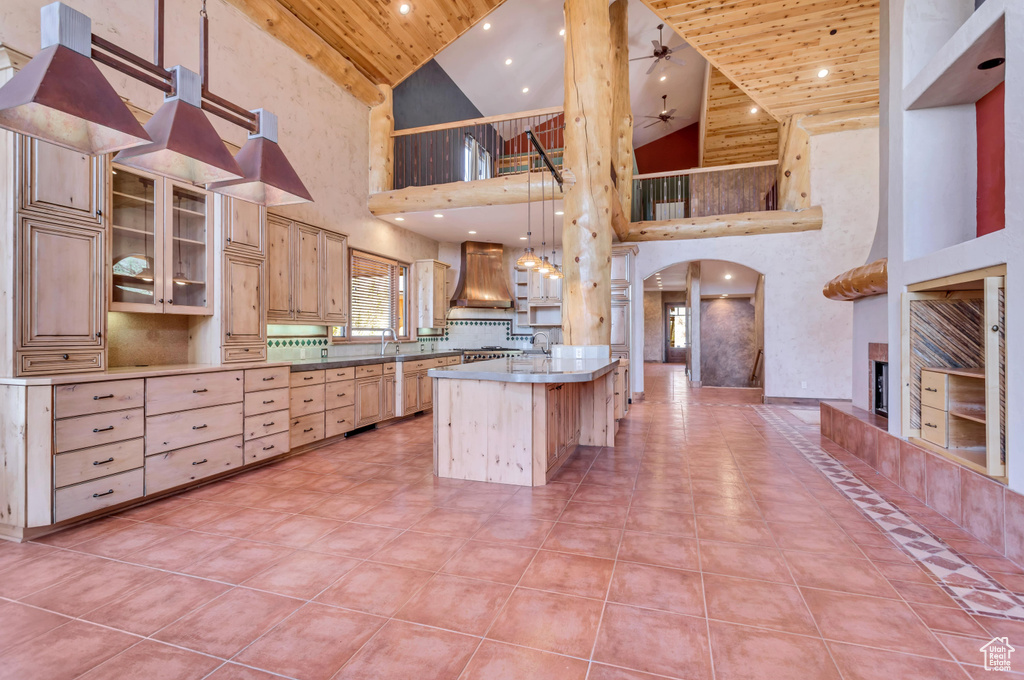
547 341
384 343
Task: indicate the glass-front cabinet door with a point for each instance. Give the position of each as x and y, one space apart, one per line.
161 260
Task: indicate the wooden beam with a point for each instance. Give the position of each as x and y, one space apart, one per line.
859 282
587 225
841 121
506 190
549 112
287 28
382 146
705 92
794 165
622 112
715 226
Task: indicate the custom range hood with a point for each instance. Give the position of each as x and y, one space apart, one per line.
483 282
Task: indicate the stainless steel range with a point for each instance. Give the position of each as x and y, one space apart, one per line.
470 356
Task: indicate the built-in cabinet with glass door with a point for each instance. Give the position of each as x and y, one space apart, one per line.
161 259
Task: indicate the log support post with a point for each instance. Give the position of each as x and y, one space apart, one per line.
622 112
382 145
587 225
794 165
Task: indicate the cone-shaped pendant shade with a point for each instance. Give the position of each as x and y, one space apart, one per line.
185 144
62 98
269 177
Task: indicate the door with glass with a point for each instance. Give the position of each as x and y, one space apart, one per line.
188 258
677 319
136 242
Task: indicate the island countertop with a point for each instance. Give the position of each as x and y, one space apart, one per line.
527 369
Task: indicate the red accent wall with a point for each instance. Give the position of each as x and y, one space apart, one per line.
550 134
991 161
679 150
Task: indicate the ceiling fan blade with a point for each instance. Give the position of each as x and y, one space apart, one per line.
654 64
649 56
657 44
670 113
650 124
675 62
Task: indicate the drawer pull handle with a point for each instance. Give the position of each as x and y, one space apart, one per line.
268 401
199 427
103 462
342 394
266 379
270 424
930 389
341 421
200 462
930 425
199 391
307 430
101 495
306 401
267 448
308 377
104 396
108 428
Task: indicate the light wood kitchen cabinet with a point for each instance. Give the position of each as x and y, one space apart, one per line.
620 326
161 248
563 421
244 231
279 270
335 247
389 396
369 400
430 280
244 300
543 289
426 389
60 182
306 273
176 468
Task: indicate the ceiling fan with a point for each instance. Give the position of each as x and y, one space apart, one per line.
661 51
665 115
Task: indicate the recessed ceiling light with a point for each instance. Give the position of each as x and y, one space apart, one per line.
753 110
487 27
725 295
404 8
472 232
728 276
823 72
438 215
663 78
508 62
522 238
525 90
561 32
559 212
991 63
399 219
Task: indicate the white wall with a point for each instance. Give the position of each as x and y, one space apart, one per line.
323 129
807 337
869 325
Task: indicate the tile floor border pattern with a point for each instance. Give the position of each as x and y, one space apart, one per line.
969 585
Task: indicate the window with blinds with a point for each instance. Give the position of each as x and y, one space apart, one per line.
378 301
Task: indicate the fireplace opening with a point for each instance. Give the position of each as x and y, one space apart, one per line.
881 389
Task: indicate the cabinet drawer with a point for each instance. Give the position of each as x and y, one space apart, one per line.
340 420
266 447
389 369
306 429
186 428
307 378
934 424
265 424
81 499
98 397
257 379
934 388
341 394
174 468
338 374
102 428
265 402
44 363
453 361
416 366
369 370
305 400
181 392
241 355
99 461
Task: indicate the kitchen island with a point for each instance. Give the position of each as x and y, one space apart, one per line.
516 421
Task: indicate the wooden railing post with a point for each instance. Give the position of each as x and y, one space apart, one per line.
382 146
587 225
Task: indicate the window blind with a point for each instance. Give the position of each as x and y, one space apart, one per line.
374 294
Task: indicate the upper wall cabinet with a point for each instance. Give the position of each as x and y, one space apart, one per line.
243 228
60 182
430 277
161 259
306 273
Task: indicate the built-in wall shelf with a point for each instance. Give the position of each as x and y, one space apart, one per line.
973 459
952 76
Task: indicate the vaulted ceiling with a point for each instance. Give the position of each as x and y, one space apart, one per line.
736 130
774 49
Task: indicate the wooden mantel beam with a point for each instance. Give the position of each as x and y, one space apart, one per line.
506 190
286 27
740 224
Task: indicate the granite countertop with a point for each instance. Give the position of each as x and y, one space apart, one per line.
527 369
320 363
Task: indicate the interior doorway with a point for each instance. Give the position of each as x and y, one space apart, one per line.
677 322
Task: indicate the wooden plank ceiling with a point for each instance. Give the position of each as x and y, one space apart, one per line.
773 49
382 44
732 133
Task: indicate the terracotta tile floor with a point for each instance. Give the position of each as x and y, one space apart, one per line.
692 549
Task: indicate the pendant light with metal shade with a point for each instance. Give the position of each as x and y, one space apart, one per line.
556 271
61 97
544 267
269 178
185 144
528 260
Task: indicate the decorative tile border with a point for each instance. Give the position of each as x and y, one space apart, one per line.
298 342
507 323
973 589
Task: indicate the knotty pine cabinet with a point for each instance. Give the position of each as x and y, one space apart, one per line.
306 273
430 278
563 421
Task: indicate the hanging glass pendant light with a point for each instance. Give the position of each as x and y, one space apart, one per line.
62 98
528 260
269 178
544 266
185 144
555 272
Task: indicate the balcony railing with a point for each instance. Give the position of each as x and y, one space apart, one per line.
480 148
699 192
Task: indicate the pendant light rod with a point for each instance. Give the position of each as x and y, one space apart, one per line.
131 71
248 120
158 33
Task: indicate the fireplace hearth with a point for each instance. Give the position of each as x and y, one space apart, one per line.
878 378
